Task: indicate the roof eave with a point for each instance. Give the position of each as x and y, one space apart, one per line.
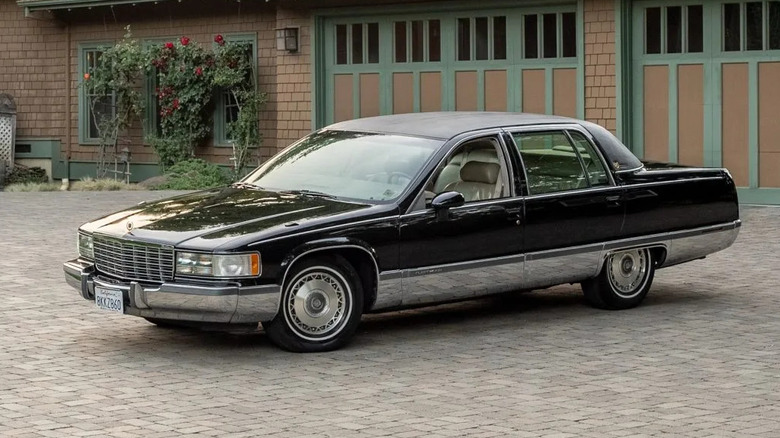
50 5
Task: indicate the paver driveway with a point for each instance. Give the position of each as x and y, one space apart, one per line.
699 358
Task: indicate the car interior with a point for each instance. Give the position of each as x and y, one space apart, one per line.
475 169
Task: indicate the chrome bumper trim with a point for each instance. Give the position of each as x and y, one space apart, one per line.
226 304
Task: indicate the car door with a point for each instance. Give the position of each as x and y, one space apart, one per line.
572 205
472 249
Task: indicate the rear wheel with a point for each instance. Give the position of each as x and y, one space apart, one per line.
321 305
624 280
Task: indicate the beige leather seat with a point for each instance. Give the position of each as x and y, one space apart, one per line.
450 173
477 181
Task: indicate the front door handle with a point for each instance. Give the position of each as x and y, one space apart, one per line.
615 198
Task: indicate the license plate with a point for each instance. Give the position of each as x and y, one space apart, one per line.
109 299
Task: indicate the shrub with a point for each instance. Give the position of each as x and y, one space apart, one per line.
33 187
101 185
194 174
23 174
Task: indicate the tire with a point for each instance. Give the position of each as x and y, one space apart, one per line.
321 306
624 280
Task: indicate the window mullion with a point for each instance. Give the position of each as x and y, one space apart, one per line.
664 49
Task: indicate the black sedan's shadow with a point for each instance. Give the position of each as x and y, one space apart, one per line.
562 305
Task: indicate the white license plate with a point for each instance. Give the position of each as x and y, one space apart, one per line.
109 300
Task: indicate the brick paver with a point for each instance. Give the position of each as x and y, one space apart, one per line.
699 358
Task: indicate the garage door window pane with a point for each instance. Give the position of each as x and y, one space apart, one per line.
550 35
464 39
754 25
341 44
499 37
531 29
373 43
569 35
731 27
417 41
695 29
774 25
674 29
653 30
400 41
481 42
434 41
357 43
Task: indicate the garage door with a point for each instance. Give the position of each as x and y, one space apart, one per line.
494 60
707 88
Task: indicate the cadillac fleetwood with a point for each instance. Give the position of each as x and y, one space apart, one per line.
398 211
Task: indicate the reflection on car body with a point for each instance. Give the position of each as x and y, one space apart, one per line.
396 211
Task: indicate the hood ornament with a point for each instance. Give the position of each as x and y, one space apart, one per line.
129 226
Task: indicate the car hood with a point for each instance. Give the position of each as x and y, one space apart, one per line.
220 215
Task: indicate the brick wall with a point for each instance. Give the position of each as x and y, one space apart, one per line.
32 70
600 89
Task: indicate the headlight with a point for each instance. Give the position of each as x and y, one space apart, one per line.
218 265
85 246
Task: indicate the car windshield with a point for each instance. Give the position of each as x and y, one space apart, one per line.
362 166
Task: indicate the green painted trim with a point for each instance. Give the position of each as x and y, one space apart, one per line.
753 124
318 88
549 91
538 6
39 147
623 76
151 115
83 106
673 112
580 29
763 196
218 116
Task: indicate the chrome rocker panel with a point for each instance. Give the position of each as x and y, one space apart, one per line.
222 304
470 279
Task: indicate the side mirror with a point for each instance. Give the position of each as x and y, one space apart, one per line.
444 201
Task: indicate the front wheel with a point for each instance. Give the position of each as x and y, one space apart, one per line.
320 309
623 282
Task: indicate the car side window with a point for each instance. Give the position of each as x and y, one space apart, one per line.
551 162
594 167
477 169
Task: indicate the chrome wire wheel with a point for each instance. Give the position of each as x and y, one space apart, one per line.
317 303
627 272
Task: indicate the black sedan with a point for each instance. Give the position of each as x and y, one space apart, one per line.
398 211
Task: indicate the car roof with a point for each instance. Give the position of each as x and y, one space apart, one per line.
445 125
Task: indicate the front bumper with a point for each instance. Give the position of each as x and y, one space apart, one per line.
184 302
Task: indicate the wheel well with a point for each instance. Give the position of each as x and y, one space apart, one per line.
659 255
364 266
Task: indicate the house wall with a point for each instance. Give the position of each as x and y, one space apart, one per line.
39 64
32 70
600 88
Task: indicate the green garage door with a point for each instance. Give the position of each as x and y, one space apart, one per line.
707 88
491 59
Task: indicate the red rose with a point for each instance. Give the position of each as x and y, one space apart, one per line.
175 103
198 71
184 41
219 40
169 45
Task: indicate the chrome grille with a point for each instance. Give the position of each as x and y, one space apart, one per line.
133 260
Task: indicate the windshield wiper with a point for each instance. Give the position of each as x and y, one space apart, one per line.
246 185
309 193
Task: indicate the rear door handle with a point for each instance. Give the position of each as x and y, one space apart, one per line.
615 198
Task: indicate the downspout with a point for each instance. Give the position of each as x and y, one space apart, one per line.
68 111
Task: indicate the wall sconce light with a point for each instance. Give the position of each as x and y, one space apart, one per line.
287 39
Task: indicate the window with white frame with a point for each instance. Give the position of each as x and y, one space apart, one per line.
93 108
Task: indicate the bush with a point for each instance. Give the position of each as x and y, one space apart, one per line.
23 175
33 187
101 185
194 174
